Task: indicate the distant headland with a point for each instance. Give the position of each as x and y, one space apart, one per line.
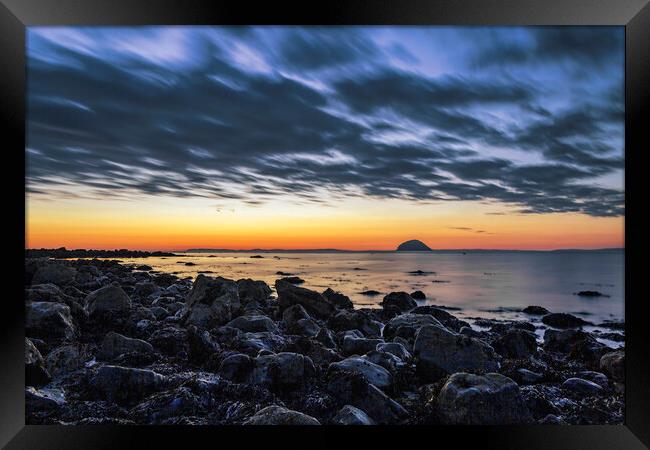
63 252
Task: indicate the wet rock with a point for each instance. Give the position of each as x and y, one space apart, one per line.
407 325
370 293
283 369
35 372
564 341
253 324
313 302
253 291
278 415
358 346
516 343
169 340
299 322
597 377
535 310
212 301
66 358
349 415
201 346
253 343
159 312
292 280
337 299
318 352
326 337
394 348
526 376
180 402
580 386
145 289
386 360
490 399
48 320
351 388
447 320
43 400
418 295
401 300
55 273
122 384
107 300
115 345
469 331
374 373
439 351
354 320
564 320
590 294
237 368
613 364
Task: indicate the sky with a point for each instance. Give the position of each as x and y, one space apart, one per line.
178 137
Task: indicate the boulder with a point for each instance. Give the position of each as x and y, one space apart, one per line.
401 300
358 346
115 345
447 320
200 345
407 325
282 369
313 302
351 388
490 399
394 348
516 343
581 386
326 337
43 400
35 372
535 310
418 295
564 320
253 291
526 376
372 372
107 300
212 301
278 415
354 320
122 384
237 368
386 360
349 415
613 364
55 273
48 320
563 341
169 340
439 351
253 324
337 299
66 358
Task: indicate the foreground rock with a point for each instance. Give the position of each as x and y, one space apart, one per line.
374 373
490 399
278 415
212 301
613 364
115 345
109 299
121 384
349 415
48 320
35 372
313 302
439 351
563 320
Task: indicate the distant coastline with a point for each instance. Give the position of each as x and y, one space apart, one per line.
333 250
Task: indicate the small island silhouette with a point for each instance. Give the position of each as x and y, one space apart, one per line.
413 246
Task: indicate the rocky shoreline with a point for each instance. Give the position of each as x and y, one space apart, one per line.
109 343
63 252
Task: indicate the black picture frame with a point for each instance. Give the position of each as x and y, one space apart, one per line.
15 15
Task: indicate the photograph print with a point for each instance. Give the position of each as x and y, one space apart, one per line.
332 225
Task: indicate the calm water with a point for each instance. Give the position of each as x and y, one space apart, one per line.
490 284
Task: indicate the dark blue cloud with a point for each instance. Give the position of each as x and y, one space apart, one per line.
255 113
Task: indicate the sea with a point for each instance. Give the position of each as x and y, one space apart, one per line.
474 284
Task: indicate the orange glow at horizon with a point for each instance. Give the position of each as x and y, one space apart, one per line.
172 224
